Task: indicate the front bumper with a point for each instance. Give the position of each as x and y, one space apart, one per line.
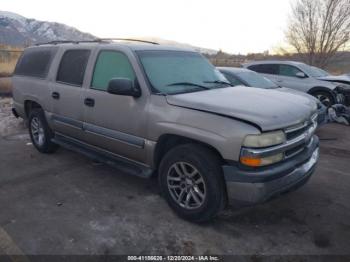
251 187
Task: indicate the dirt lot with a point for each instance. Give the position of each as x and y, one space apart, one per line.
67 204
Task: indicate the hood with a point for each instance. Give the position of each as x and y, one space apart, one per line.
268 109
331 78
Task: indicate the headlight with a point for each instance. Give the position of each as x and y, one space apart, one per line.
263 161
264 140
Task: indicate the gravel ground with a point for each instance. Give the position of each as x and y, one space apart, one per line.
64 203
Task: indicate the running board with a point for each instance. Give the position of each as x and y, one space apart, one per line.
103 156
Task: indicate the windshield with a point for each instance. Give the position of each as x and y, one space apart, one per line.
321 71
313 71
175 72
255 80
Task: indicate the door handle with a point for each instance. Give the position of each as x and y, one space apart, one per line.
89 102
55 95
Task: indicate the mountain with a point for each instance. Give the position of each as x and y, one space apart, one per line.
178 44
16 30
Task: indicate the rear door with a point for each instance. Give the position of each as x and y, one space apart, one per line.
115 123
67 92
270 71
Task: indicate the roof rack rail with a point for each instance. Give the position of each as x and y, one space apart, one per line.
127 39
55 42
96 40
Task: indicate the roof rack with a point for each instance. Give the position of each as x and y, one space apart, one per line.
96 40
127 39
55 42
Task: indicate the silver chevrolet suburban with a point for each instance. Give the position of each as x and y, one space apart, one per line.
151 109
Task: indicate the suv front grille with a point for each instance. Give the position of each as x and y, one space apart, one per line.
294 151
295 132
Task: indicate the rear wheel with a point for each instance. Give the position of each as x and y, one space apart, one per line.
325 97
191 181
40 132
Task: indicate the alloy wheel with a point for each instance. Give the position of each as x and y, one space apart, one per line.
37 131
186 185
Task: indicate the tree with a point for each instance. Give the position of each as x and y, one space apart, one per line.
318 29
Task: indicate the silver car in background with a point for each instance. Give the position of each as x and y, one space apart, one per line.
305 78
241 76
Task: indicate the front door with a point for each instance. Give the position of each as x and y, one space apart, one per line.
115 123
287 76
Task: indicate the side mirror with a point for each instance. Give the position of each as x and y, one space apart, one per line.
123 87
301 75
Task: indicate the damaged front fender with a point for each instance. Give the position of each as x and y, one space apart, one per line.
343 94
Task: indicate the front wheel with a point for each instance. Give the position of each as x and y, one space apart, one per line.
191 181
325 98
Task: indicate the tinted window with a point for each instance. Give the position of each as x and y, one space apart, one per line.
287 70
233 80
72 67
265 69
35 62
111 64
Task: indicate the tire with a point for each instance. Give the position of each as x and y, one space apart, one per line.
206 198
40 132
325 97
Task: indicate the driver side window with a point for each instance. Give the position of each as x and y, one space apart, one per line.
287 70
111 64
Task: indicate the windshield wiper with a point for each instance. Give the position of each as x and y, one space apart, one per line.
189 84
218 82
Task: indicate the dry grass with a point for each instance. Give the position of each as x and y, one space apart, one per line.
5 86
8 59
6 68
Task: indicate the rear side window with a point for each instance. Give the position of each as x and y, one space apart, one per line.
265 69
109 65
35 62
72 67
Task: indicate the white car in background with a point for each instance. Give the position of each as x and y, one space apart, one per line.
302 77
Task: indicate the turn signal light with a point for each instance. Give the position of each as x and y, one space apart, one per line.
248 161
263 161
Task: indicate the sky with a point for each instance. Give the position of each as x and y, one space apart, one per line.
234 26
